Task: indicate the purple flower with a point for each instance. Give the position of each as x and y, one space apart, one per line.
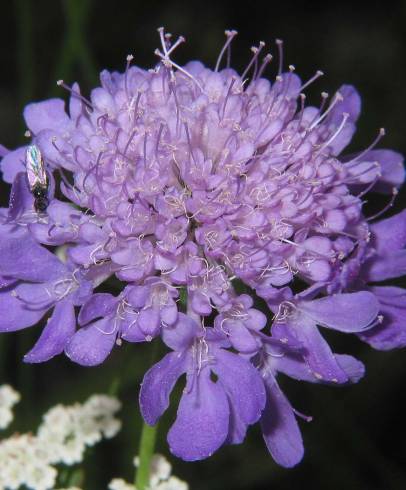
205 193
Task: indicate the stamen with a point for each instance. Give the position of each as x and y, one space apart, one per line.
282 96
74 93
395 192
279 44
179 41
336 133
53 142
95 167
338 98
164 39
145 148
324 97
256 51
130 57
267 59
230 36
302 247
227 96
172 86
371 185
354 177
167 62
269 110
285 310
129 142
158 139
137 102
114 329
307 418
189 143
380 135
171 64
317 75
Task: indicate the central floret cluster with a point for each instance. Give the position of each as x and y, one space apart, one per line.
199 189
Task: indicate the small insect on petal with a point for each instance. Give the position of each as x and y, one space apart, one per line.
37 177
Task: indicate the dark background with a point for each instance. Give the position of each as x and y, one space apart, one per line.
357 440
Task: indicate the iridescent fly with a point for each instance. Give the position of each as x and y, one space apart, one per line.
38 181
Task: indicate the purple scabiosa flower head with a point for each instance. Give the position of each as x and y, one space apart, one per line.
200 191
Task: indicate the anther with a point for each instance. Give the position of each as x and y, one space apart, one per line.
395 192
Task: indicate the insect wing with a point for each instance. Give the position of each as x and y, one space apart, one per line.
36 173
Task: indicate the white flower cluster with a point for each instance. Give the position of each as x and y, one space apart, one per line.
62 437
160 477
8 398
24 461
67 431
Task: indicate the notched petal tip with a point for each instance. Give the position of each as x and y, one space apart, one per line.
202 422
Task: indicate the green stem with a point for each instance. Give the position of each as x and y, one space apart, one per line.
147 442
114 386
146 451
71 476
